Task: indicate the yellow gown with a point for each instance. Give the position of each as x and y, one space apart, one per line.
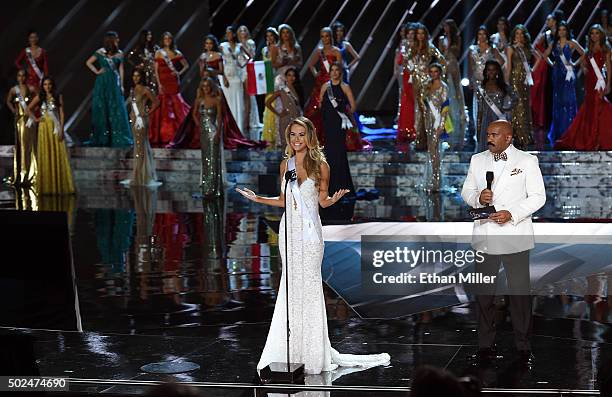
24 159
54 173
270 121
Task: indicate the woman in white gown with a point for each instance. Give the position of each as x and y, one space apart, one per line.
309 340
232 79
248 50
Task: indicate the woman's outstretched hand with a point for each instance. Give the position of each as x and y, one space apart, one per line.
248 193
338 195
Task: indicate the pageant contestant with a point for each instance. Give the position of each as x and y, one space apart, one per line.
24 156
563 80
404 67
501 39
141 103
327 54
519 76
591 130
541 91
290 54
396 66
170 64
34 58
496 101
424 55
479 54
450 45
337 104
270 131
346 49
248 49
435 103
54 175
233 85
207 113
108 115
291 97
142 58
308 341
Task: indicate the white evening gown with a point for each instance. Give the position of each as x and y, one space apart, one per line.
309 340
234 94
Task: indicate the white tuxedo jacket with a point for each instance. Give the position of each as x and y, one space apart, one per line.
519 189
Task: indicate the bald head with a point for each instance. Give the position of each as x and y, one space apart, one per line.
499 136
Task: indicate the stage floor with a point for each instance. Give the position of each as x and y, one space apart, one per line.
155 283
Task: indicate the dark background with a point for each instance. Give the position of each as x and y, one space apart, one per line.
72 30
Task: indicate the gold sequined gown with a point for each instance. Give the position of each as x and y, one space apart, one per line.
437 99
521 114
144 164
24 159
211 152
54 173
420 80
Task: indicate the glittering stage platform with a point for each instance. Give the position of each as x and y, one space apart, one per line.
176 291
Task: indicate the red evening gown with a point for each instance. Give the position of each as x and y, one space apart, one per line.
188 134
43 66
313 107
591 129
406 132
539 92
172 110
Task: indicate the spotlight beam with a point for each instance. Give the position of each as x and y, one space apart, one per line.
450 11
356 22
544 25
295 7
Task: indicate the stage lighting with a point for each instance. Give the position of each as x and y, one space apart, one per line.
465 82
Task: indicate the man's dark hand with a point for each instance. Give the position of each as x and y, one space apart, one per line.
486 197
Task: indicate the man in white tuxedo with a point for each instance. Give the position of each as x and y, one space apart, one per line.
506 236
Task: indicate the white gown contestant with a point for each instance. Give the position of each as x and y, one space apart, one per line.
234 94
309 340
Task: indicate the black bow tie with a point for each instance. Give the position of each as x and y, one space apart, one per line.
500 156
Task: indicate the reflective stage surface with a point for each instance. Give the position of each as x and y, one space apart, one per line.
164 275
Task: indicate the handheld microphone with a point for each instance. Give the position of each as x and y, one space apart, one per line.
489 177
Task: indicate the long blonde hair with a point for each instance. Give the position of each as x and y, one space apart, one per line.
314 156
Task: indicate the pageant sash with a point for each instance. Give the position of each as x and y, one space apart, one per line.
436 113
309 215
345 121
139 122
111 65
569 69
324 62
491 104
51 113
601 83
33 64
168 61
528 77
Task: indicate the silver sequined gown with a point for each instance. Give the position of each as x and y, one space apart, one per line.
486 116
437 98
211 152
479 59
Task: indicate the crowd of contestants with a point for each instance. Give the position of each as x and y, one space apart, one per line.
511 77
